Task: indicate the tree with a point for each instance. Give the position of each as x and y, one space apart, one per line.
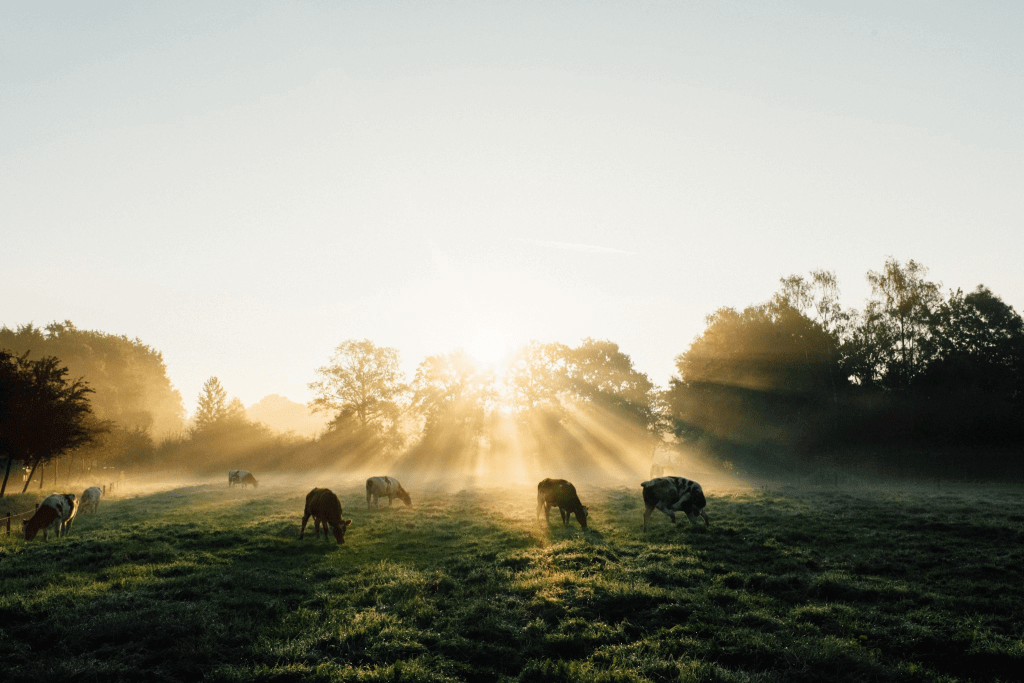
42 413
453 391
537 376
900 316
212 406
753 376
976 347
128 379
599 373
363 381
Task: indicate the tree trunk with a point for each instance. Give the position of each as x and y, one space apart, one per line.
6 475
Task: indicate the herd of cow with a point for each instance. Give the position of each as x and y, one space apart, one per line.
667 494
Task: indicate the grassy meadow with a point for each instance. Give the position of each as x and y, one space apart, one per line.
822 583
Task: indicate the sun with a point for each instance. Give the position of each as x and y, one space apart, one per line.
489 346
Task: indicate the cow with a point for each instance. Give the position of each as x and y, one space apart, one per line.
378 487
90 499
55 512
325 508
242 477
672 495
561 494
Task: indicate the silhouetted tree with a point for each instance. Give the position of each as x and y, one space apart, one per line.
976 347
898 321
128 378
42 413
758 376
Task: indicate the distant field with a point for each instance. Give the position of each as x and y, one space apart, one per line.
203 582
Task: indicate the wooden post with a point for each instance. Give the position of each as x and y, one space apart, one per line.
8 523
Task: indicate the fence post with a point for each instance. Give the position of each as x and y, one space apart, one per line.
8 523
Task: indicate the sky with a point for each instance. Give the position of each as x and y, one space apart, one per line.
243 186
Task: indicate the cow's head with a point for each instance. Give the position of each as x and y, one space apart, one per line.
582 515
404 496
339 530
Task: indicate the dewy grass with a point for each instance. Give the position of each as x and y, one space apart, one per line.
206 583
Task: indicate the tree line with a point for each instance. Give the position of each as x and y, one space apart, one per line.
916 382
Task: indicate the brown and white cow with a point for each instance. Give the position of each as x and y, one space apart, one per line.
672 495
56 512
90 499
378 487
561 494
325 508
242 477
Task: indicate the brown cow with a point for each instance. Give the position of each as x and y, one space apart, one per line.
560 493
324 507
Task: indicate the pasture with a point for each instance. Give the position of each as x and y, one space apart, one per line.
203 582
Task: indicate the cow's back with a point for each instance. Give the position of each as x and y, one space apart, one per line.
323 504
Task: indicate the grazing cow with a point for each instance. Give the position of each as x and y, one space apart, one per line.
55 512
378 487
560 493
324 507
90 499
242 477
672 495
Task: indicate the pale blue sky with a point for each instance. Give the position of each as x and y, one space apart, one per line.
245 185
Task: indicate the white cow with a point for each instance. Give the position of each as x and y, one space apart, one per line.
91 499
378 487
56 512
672 495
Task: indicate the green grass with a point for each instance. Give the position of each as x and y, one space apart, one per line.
825 584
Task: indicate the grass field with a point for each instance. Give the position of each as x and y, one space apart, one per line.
203 582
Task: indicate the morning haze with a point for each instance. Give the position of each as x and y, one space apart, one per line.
471 246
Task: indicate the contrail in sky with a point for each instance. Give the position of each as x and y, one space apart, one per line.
572 246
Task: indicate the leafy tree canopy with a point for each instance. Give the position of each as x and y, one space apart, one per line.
42 413
364 381
128 378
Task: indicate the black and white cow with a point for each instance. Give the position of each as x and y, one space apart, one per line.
242 477
561 494
55 513
378 487
672 495
91 499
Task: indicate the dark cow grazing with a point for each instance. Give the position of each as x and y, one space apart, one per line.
561 494
90 499
325 508
378 487
56 512
672 495
242 477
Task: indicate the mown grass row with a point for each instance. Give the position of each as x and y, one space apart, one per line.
827 584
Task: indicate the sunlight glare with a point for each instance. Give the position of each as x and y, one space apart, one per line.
489 346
